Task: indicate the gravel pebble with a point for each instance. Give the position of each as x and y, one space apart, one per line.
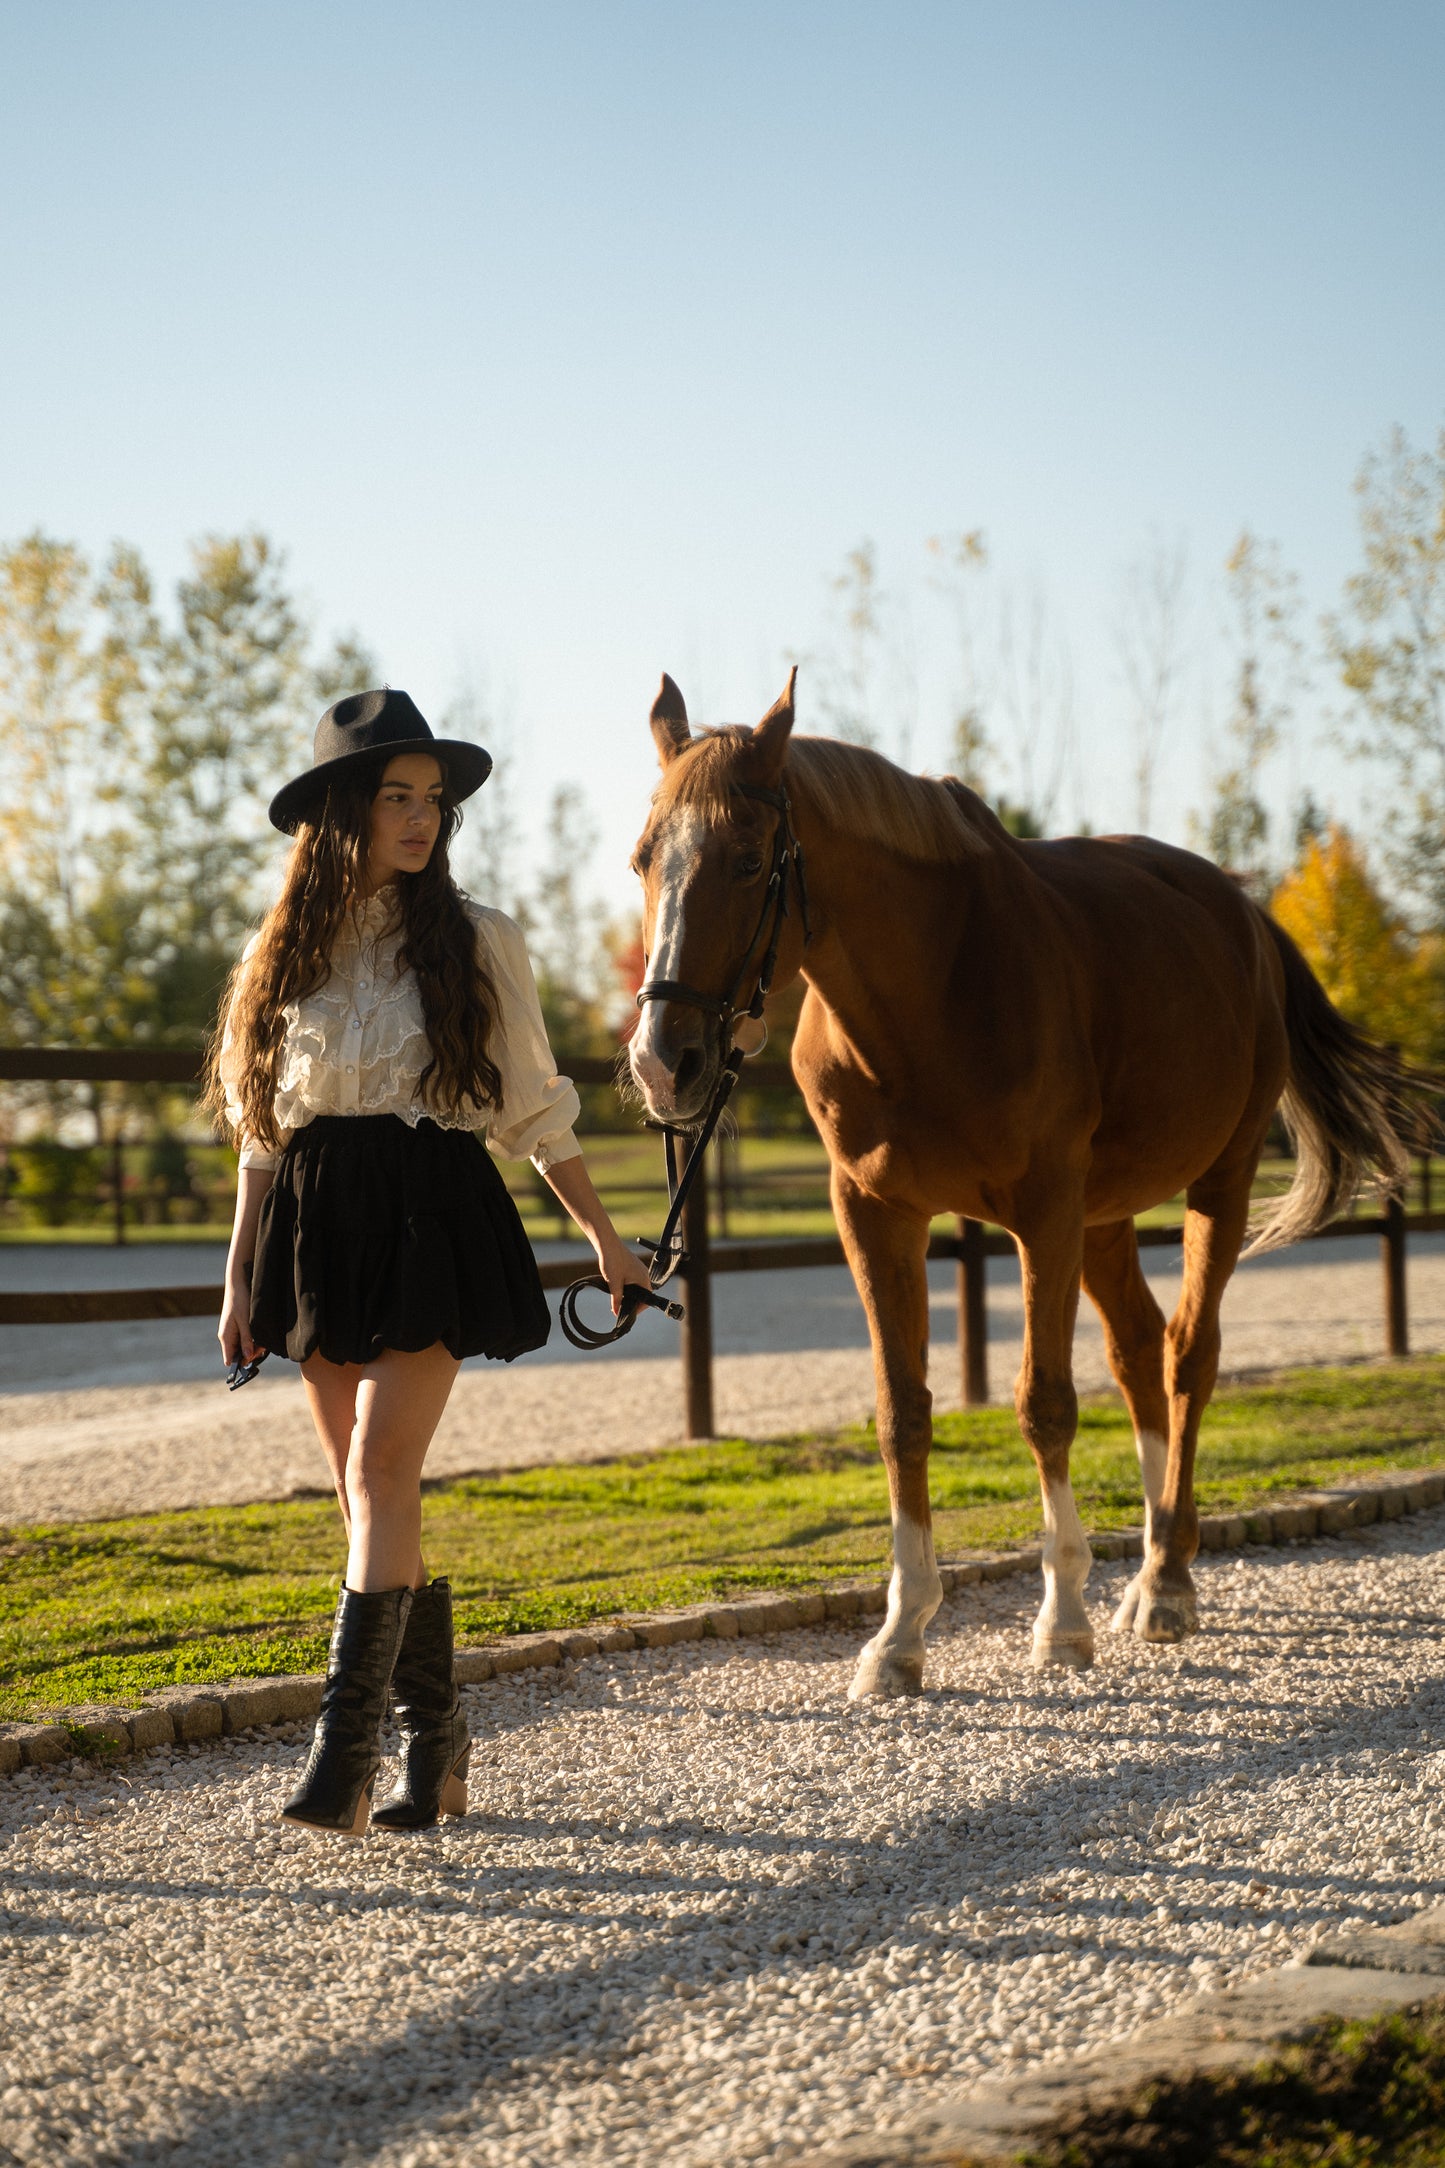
709 1911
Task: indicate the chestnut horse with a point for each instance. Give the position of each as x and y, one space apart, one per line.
1053 1036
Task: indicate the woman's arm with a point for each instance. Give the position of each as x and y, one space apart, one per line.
234 1330
621 1267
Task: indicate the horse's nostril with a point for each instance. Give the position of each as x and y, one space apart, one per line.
688 1070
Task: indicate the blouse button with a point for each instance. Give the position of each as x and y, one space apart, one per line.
356 1023
350 1071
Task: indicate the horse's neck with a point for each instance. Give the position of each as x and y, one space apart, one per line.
886 926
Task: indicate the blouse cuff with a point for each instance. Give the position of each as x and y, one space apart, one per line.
553 1150
255 1155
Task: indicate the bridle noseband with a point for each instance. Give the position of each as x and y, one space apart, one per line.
667 1252
787 865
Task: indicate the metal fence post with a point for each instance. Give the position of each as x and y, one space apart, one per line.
697 1321
1392 1257
973 1313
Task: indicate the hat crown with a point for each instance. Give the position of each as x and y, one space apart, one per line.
383 721
362 721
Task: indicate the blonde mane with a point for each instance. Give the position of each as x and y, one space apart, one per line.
925 818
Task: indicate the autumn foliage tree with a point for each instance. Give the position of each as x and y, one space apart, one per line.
1377 972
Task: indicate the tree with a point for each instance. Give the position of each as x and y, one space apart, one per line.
139 758
1370 964
848 693
1389 645
1148 642
568 933
959 560
211 712
1264 609
72 964
1035 698
486 853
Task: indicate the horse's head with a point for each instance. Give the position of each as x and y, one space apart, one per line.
708 859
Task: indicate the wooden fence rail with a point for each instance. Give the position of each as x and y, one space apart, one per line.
970 1246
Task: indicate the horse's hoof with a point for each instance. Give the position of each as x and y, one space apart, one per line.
884 1677
1167 1615
1157 1614
1063 1652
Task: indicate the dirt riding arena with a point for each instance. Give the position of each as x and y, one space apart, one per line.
707 1910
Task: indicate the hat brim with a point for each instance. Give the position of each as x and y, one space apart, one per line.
467 766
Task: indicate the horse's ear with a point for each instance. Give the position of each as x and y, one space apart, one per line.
669 721
771 735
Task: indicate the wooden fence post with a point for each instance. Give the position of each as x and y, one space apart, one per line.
697 1322
973 1313
1392 1257
117 1183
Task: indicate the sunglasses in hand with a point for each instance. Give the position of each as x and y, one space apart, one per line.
241 1373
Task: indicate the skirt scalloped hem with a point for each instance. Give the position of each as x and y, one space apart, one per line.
376 1235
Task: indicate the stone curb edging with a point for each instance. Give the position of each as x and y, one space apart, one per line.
1357 1977
183 1715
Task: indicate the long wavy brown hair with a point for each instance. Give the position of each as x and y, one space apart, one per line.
292 958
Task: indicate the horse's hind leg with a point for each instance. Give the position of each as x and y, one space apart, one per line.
887 1251
1048 1413
1160 1603
1134 1343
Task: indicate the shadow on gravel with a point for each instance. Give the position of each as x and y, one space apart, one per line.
777 1904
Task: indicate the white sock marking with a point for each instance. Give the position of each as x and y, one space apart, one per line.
914 1594
1067 1559
1153 1454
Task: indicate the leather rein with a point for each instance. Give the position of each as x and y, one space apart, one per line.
668 1254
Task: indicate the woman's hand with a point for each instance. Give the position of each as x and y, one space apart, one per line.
620 1267
234 1330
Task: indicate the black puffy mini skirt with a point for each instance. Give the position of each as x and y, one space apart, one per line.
376 1235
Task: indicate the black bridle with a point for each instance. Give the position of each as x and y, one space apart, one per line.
668 1254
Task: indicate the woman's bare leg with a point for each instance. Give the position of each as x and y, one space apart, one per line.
331 1393
399 1402
375 1422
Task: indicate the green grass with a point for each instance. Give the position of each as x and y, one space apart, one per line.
1368 2095
102 1611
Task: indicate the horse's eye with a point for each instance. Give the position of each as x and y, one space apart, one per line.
749 866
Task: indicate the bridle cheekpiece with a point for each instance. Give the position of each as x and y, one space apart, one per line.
787 866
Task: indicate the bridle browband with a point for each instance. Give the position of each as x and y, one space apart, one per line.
668 1253
787 864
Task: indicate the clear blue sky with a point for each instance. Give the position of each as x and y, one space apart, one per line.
572 342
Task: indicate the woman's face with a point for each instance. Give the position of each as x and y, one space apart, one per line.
406 817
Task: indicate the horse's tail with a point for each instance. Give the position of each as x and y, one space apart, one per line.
1353 1109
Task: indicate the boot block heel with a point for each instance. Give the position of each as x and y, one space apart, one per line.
454 1791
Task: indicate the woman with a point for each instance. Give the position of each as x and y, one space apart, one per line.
378 1026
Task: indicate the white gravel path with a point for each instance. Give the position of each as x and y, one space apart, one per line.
709 1912
100 1420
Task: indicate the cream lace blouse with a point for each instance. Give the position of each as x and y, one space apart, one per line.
358 1045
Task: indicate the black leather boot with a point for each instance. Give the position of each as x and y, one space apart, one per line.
335 1791
435 1749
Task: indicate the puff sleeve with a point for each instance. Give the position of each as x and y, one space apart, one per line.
539 1108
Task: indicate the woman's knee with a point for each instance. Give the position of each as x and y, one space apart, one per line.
379 1471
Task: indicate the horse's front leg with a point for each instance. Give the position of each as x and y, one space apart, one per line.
887 1250
1048 1412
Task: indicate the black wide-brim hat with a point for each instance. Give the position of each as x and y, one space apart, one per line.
369 726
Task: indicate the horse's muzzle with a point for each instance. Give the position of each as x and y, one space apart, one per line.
675 1064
